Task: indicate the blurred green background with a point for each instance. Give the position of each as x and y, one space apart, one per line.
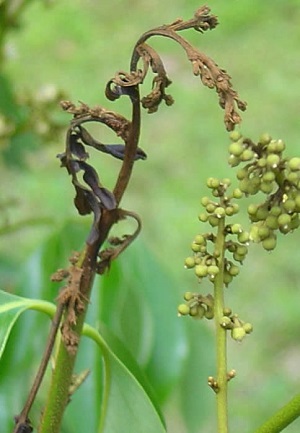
71 49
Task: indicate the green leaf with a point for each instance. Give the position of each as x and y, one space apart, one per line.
127 397
138 303
11 306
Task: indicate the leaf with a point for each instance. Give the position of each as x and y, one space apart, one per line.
11 306
127 397
138 303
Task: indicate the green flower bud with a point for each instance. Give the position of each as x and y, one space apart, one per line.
243 237
294 164
263 232
213 270
268 176
272 222
234 270
273 160
209 313
210 207
236 228
212 182
266 187
226 181
248 328
204 201
200 240
227 278
242 174
236 148
188 296
227 311
269 243
252 209
265 139
226 322
189 262
261 162
262 213
213 220
201 270
284 219
195 247
238 333
295 222
242 250
247 155
203 217
233 161
197 311
219 212
235 135
289 205
275 210
237 193
183 310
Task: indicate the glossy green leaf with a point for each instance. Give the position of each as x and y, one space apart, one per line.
127 397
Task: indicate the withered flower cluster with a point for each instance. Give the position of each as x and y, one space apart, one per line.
91 195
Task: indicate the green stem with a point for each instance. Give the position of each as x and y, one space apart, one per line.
282 418
221 353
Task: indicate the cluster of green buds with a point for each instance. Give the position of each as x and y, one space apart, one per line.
197 306
268 171
239 329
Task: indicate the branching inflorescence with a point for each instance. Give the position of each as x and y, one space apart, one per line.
218 256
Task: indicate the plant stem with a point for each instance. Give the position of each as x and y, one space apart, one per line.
282 418
221 353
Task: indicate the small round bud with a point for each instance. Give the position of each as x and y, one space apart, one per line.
265 139
209 313
227 311
237 193
247 155
238 333
236 228
275 210
203 217
235 135
243 237
188 296
266 187
242 250
227 278
183 309
273 160
294 164
226 322
200 240
213 220
201 270
269 243
213 270
212 182
252 209
248 328
195 247
234 270
236 148
205 201
268 176
272 222
189 262
233 161
284 219
219 212
242 174
289 205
